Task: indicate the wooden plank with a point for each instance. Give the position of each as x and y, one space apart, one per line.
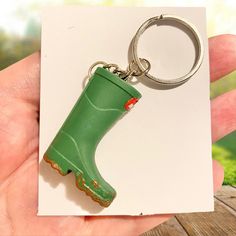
227 194
218 223
169 228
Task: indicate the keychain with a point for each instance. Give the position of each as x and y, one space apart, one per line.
105 99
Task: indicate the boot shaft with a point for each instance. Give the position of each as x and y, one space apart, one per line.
103 101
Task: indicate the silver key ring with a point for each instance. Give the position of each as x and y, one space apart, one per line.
190 27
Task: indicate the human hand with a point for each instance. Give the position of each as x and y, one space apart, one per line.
19 102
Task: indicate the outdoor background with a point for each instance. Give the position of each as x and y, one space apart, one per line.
20 36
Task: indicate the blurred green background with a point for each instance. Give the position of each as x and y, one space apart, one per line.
20 36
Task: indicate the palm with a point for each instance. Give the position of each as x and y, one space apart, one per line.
19 101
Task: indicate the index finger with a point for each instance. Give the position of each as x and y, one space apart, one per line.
222 52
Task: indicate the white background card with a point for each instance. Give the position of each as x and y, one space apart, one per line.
158 157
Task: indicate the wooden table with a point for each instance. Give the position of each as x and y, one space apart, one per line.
221 222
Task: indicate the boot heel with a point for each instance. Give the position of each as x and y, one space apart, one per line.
57 165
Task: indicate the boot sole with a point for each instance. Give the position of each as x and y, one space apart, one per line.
79 181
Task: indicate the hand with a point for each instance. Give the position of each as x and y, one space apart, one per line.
19 114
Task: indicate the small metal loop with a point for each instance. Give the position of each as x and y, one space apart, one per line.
119 71
90 71
190 27
125 74
137 71
114 68
111 65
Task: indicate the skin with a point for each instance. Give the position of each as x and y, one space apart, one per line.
19 114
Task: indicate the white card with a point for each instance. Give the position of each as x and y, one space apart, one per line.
158 157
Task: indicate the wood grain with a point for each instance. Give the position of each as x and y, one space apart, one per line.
228 196
218 223
221 222
169 228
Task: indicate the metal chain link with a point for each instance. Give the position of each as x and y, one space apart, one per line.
132 69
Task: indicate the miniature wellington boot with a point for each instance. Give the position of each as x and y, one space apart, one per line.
105 99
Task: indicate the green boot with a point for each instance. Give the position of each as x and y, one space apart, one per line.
104 100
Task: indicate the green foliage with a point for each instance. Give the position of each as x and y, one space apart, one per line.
14 48
224 151
223 85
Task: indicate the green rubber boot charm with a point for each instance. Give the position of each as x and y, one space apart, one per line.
104 100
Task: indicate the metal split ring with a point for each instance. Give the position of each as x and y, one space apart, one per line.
190 27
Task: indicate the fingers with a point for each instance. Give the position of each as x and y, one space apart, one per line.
21 80
222 52
19 102
128 225
223 115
